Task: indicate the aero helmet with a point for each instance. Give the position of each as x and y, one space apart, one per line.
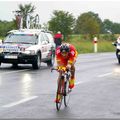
64 48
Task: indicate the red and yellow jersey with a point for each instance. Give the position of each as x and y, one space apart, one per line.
69 59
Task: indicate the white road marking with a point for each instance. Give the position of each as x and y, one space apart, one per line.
19 102
90 60
106 74
14 71
103 75
77 83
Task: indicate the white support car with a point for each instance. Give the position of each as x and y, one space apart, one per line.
28 46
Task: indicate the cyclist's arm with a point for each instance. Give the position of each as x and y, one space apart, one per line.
73 57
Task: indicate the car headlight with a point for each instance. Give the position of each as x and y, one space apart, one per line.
1 50
29 52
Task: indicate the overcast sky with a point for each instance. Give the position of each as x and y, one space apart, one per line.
107 9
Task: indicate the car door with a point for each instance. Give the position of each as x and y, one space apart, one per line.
51 40
44 43
49 45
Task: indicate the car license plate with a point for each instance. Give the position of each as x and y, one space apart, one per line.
11 57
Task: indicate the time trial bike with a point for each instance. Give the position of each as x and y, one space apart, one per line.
63 90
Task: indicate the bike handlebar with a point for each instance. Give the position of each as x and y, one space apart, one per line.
61 69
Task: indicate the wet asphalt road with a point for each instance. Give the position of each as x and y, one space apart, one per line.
28 93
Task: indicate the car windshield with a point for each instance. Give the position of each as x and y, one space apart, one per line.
50 37
21 38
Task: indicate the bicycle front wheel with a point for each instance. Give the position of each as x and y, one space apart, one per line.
59 95
66 94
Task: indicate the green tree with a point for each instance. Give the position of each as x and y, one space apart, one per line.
107 26
6 26
116 28
88 23
24 10
111 27
62 21
98 19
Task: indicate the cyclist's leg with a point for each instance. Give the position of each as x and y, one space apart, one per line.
72 79
58 97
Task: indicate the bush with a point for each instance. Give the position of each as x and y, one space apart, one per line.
110 37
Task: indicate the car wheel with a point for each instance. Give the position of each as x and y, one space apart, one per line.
51 62
37 62
119 60
14 65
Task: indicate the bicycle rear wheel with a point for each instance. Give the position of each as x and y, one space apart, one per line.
60 91
66 93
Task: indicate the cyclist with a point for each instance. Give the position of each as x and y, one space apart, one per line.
66 55
58 38
117 45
